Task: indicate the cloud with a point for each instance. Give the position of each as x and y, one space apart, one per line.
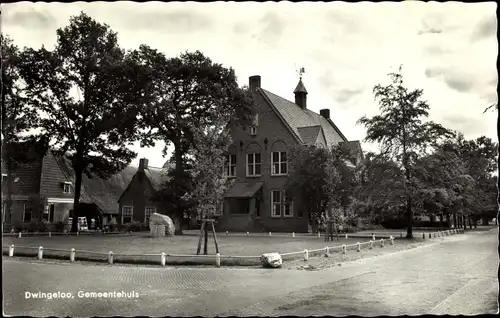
273 28
430 31
344 95
179 21
486 28
464 123
27 17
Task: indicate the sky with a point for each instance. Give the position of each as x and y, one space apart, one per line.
447 49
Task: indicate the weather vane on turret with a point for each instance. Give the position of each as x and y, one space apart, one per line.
301 71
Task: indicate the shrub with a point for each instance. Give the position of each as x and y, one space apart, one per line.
145 226
133 226
112 226
37 226
59 226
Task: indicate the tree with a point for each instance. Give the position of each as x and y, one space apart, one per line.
210 146
189 91
307 180
94 129
17 119
400 131
379 192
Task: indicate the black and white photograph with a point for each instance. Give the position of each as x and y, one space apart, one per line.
218 159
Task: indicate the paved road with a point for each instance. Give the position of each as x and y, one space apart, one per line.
456 275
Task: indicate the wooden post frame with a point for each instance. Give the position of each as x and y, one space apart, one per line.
206 223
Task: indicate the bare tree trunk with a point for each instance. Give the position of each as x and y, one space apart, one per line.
76 200
409 212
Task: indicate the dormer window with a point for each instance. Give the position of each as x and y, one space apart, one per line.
67 187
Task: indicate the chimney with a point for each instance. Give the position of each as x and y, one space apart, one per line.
301 95
254 82
143 164
325 113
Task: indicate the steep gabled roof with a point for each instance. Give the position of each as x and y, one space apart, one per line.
296 117
309 134
156 176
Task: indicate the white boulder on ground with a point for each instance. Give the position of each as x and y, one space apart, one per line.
272 260
157 222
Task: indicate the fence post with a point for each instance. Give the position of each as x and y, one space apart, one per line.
423 236
270 234
11 250
371 244
319 234
50 234
226 233
217 260
430 235
163 259
400 235
78 233
346 236
293 234
40 252
247 233
72 255
358 247
20 234
306 255
327 251
344 249
392 240
373 237
110 257
381 242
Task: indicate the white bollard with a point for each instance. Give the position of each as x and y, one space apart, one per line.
293 234
50 234
346 236
247 233
163 259
344 249
217 260
226 233
358 247
40 252
381 242
371 244
77 233
319 234
373 237
110 258
327 251
270 234
11 250
72 255
20 234
392 240
306 255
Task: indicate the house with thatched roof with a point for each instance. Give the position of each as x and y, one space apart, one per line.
136 201
50 179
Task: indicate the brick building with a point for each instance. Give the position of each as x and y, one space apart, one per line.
257 160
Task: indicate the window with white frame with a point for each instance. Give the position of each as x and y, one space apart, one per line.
27 213
48 213
67 187
253 164
276 203
279 163
127 212
148 212
287 206
4 178
282 206
230 166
